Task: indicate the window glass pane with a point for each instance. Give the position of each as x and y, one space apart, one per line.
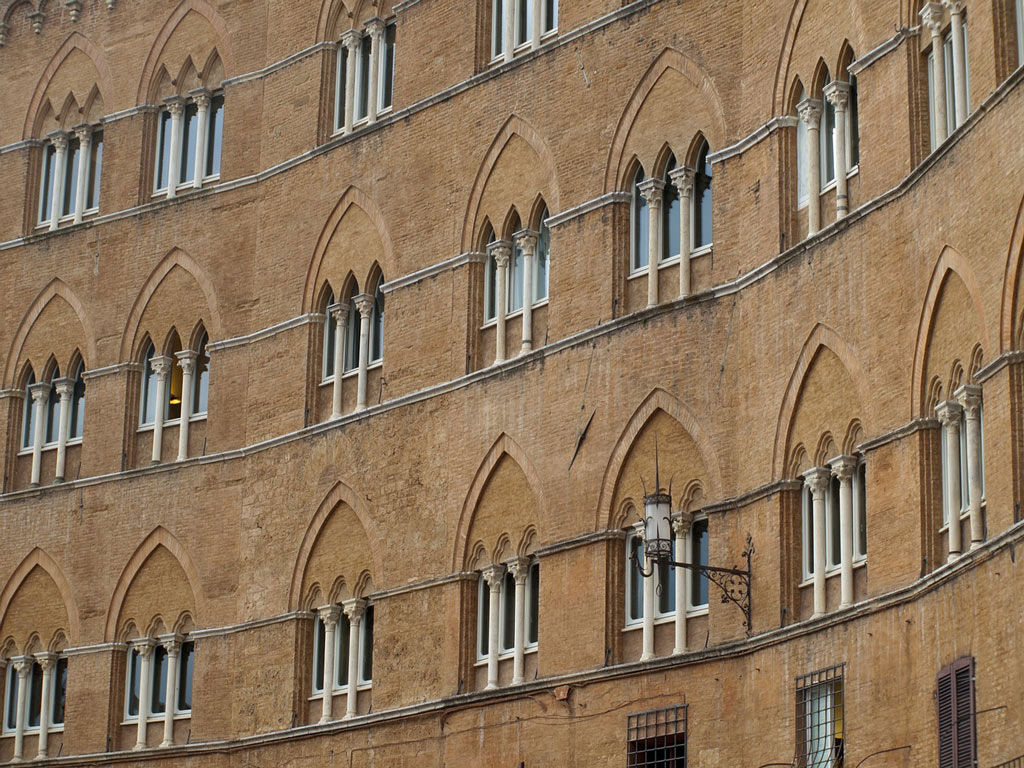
53 409
352 337
834 552
670 217
363 78
635 579
387 69
377 324
667 585
931 101
702 199
330 332
366 646
35 695
801 159
497 27
186 662
71 162
944 448
134 672
490 283
1020 32
640 224
172 408
540 269
533 612
214 135
699 555
515 279
860 490
947 61
964 503
550 15
148 409
158 689
95 171
201 380
163 151
12 698
341 646
28 419
981 444
189 128
819 727
77 422
46 182
828 124
60 687
524 20
852 127
508 612
341 71
318 655
483 608
807 509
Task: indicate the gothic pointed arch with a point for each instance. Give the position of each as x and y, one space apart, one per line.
823 347
342 520
42 581
358 217
205 307
508 463
953 300
336 16
516 148
1011 321
57 299
680 79
690 455
169 565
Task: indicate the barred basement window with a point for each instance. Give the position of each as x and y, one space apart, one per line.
958 747
819 718
656 738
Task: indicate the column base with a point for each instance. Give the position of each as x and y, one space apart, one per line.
976 544
165 744
58 480
527 347
678 651
817 614
953 557
844 605
491 687
137 747
33 485
155 461
646 656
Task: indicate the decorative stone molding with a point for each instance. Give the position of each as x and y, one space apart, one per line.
37 18
932 17
653 190
838 93
809 111
74 8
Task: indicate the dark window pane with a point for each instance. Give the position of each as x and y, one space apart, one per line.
670 217
508 609
388 69
352 337
640 224
12 697
95 171
186 662
636 578
46 182
550 15
366 629
35 695
28 419
835 554
483 612
53 410
330 332
497 27
158 691
214 135
339 87
363 86
344 634
318 655
163 150
533 616
77 422
71 163
189 129
134 677
862 510
522 21
702 200
201 380
699 555
377 325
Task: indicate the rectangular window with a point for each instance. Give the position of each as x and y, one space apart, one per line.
860 512
497 27
189 132
483 614
71 163
11 703
532 604
366 647
807 539
362 100
386 86
832 524
827 128
92 198
956 708
657 738
133 677
46 183
342 636
819 721
508 612
634 577
161 173
186 663
964 487
524 21
60 687
666 586
515 280
214 135
699 556
550 15
641 227
35 695
352 338
158 684
341 70
490 288
540 267
330 333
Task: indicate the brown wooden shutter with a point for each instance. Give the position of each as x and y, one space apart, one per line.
963 696
945 706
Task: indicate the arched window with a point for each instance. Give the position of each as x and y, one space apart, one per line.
852 127
77 421
53 409
490 281
377 323
670 243
330 332
28 419
147 407
701 215
201 378
172 407
827 125
640 224
543 257
514 285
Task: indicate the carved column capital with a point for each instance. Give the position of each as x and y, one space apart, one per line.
681 522
354 609
144 646
171 643
40 392
652 190
932 17
809 111
519 567
22 665
84 132
60 140
65 387
161 365
843 467
682 177
493 575
526 239
838 94
375 26
329 614
339 313
46 660
350 39
187 360
818 478
502 252
969 397
201 96
176 105
955 7
364 303
949 412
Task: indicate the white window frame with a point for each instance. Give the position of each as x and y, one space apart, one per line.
806 532
483 618
327 376
340 74
541 229
833 523
498 25
636 200
860 508
46 184
382 56
553 29
691 607
825 142
357 85
152 717
9 677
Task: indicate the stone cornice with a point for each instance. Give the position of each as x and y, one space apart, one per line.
109 370
989 370
265 333
756 137
434 269
915 425
587 207
876 53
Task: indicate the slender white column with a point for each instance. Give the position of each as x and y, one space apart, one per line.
949 413
338 314
350 39
46 660
364 303
22 666
493 575
509 39
683 177
810 113
354 609
161 366
202 99
526 239
187 362
502 252
84 133
650 603
838 94
956 19
969 397
818 479
375 26
520 569
145 648
176 105
538 22
329 615
171 644
65 389
843 468
653 191
681 528
60 144
932 17
40 393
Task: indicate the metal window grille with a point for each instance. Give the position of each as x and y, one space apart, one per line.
1015 763
819 718
656 738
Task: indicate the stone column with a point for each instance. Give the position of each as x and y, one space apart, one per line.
22 667
376 29
161 366
818 479
502 251
187 362
810 113
681 528
949 413
65 389
683 177
536 29
176 105
493 575
969 397
202 99
84 133
838 94
47 660
338 314
956 18
60 144
526 239
171 644
145 648
932 17
354 609
350 39
40 392
520 569
843 467
653 191
329 615
650 604
509 38
364 303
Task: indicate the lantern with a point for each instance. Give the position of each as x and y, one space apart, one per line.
658 525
